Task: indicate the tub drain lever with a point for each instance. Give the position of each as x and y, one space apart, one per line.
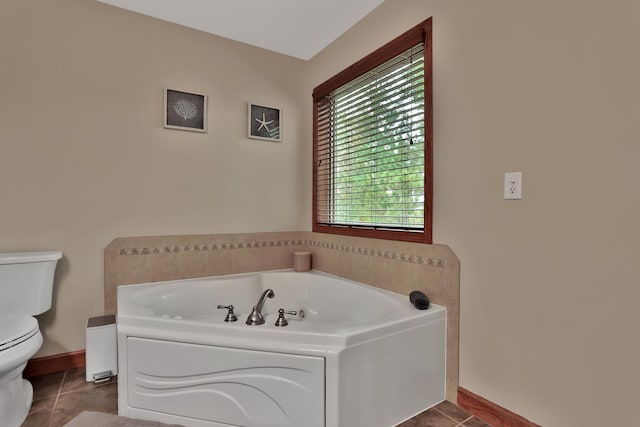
231 317
281 320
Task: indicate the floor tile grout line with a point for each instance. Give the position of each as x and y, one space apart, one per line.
87 387
464 421
461 424
453 419
55 402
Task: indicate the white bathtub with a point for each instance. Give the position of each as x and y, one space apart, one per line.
361 356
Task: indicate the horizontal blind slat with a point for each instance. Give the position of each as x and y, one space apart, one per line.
370 148
371 123
413 54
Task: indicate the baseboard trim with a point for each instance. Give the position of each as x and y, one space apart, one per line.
489 412
56 363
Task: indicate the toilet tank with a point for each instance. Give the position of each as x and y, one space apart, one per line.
26 281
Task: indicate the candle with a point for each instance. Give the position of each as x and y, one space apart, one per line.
301 261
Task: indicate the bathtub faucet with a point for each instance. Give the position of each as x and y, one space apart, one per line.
256 318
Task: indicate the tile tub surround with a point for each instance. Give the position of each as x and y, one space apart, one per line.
396 266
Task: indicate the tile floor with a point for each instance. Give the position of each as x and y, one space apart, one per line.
59 397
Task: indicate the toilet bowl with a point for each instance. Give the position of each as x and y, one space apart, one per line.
20 339
26 282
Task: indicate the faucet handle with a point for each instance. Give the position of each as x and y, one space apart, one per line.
231 317
281 320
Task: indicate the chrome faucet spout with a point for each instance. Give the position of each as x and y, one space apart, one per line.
256 318
266 294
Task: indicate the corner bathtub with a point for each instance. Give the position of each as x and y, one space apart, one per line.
361 356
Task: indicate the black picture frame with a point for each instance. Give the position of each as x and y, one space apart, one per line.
264 123
185 111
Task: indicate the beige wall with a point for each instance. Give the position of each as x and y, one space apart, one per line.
84 157
549 88
549 284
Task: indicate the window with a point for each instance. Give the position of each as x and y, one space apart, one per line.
372 144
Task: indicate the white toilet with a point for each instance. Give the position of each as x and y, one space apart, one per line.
26 286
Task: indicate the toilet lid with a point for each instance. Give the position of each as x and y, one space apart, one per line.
15 328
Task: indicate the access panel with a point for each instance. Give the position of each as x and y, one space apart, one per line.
225 385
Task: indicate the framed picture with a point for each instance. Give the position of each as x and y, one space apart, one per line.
265 123
185 111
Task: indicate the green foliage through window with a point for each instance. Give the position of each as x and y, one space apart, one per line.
371 148
373 142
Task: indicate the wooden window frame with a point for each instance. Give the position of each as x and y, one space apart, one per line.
421 33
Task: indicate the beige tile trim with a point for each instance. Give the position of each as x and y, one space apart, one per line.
210 247
396 256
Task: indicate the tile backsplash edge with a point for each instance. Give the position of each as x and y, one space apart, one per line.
361 250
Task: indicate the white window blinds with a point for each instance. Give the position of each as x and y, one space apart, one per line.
370 150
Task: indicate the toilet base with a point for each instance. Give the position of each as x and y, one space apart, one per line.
16 393
16 396
27 390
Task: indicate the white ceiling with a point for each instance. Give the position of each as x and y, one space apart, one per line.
299 28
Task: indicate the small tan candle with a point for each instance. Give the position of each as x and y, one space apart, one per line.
301 261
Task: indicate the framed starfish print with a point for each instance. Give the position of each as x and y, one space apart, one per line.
265 123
